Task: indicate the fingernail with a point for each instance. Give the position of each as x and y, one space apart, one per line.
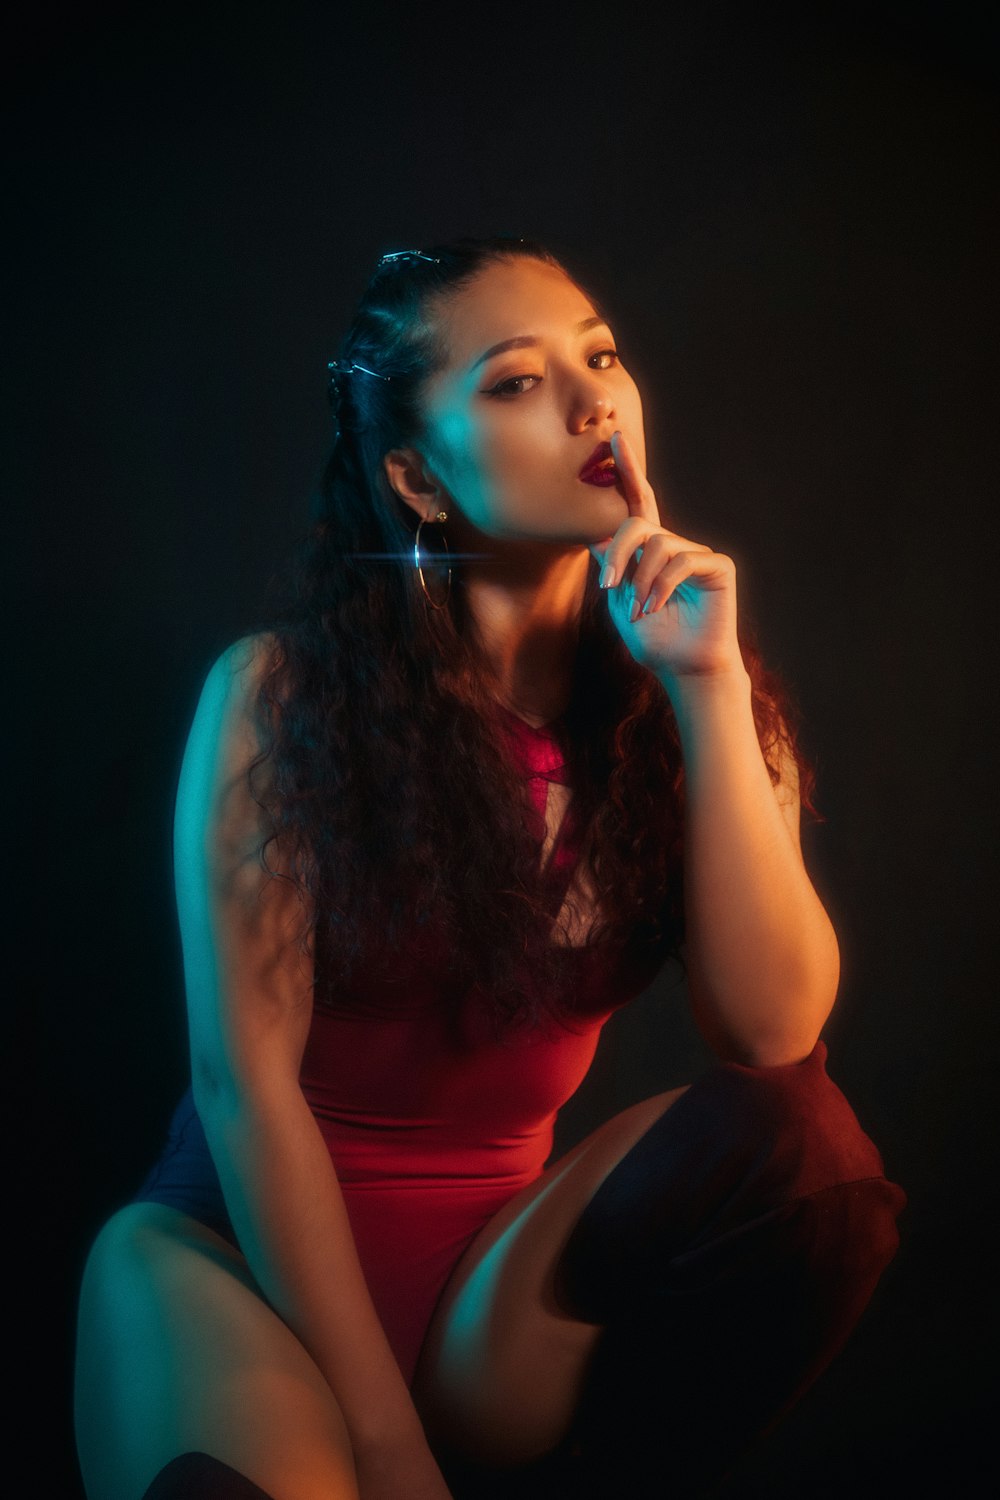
607 576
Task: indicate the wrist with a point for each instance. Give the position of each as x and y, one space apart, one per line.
709 707
387 1435
375 1400
693 688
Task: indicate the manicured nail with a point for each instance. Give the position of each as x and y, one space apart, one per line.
649 604
607 576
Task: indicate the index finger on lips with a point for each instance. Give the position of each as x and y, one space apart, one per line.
638 490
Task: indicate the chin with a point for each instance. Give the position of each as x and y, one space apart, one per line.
613 498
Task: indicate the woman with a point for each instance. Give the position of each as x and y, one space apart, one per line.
433 827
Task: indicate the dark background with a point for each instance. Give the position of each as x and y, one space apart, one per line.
786 212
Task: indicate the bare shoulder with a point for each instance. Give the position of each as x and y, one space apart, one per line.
226 715
215 798
244 664
240 926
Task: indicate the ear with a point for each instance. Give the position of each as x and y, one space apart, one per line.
412 481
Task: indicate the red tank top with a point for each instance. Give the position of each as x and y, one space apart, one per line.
432 1123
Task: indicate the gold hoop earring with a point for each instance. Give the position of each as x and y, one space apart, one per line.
442 515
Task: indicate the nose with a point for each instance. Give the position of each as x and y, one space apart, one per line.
594 405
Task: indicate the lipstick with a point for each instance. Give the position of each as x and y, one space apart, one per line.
600 467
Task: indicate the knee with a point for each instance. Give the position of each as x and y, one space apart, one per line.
792 1129
803 1179
743 1147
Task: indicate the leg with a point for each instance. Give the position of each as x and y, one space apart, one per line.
706 1360
753 1280
179 1354
502 1366
708 1278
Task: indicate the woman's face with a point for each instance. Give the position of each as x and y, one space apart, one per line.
508 433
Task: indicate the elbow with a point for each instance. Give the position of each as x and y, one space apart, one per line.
780 1053
223 1094
776 1032
221 1091
793 1035
213 1087
798 1020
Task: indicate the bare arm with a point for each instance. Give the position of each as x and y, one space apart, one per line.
763 959
250 1005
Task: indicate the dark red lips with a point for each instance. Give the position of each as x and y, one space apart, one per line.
601 453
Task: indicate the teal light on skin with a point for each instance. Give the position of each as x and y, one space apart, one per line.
532 383
472 1338
468 1316
507 432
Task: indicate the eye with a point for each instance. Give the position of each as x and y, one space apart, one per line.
504 387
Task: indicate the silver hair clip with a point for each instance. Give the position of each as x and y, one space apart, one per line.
340 369
334 386
399 254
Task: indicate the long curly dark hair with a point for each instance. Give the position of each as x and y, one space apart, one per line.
389 783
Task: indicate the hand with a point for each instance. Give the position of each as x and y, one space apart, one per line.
406 1471
689 627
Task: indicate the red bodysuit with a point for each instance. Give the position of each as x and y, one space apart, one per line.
432 1123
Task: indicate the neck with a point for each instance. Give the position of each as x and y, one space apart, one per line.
525 605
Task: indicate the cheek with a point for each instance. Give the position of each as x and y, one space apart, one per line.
501 473
486 468
458 463
517 469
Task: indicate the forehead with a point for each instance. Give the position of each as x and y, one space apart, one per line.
505 300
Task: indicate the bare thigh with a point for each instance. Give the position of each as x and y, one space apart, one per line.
502 1367
177 1350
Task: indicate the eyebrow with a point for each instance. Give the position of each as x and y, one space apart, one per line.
525 340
